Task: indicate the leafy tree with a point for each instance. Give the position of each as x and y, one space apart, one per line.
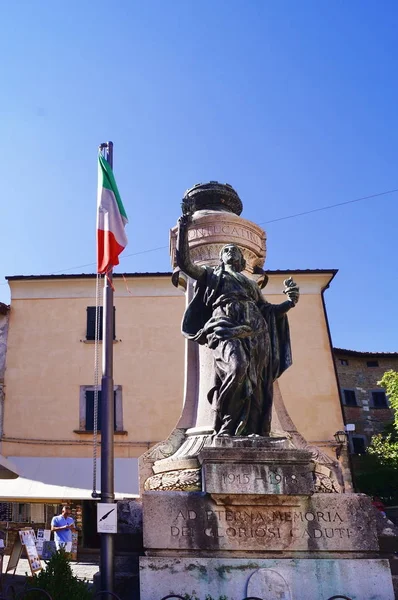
377 470
58 580
389 382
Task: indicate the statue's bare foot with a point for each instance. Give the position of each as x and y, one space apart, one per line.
254 435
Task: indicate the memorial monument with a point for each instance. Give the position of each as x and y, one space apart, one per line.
235 502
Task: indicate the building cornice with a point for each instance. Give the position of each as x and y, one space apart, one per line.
339 352
156 274
38 287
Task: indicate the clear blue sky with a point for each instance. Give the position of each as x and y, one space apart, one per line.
294 103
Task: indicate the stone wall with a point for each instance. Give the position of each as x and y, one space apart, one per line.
357 376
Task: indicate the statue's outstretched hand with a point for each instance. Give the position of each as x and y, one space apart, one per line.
185 220
291 290
188 208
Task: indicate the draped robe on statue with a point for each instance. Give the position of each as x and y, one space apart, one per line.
253 354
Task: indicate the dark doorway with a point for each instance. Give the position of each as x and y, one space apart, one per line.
91 538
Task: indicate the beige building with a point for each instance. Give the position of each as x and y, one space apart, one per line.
7 470
48 399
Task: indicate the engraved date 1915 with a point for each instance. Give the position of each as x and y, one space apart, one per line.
269 477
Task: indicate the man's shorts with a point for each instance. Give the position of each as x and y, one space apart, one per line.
67 546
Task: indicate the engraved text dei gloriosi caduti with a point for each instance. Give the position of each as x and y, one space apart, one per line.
275 524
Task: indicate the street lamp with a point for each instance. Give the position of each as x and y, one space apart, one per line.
341 439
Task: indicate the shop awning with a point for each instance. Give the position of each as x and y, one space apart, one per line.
44 479
7 469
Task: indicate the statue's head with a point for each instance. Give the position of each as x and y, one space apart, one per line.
233 256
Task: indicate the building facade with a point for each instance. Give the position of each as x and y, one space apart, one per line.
364 402
48 415
7 470
4 319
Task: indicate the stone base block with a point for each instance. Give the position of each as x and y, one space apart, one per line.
282 579
256 466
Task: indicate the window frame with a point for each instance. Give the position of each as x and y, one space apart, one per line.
372 366
118 408
343 390
90 318
344 362
351 443
372 403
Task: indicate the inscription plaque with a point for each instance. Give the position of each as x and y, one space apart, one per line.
232 230
319 523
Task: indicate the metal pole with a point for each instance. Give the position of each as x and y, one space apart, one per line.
108 422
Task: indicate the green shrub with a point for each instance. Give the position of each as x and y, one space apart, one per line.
59 581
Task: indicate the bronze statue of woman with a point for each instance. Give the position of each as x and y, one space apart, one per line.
248 336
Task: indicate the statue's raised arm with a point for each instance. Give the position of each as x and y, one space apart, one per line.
182 251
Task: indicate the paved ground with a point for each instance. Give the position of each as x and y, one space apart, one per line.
84 570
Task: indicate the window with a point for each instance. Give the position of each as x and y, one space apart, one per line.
90 332
5 511
344 362
372 363
90 410
379 400
21 513
358 444
37 513
86 417
349 398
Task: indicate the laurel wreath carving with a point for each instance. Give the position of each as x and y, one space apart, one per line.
186 480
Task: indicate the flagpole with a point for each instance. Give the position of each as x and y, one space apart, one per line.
108 419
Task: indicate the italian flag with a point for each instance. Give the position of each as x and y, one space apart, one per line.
111 219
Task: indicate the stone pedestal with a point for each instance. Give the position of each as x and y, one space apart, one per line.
258 529
239 517
290 547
